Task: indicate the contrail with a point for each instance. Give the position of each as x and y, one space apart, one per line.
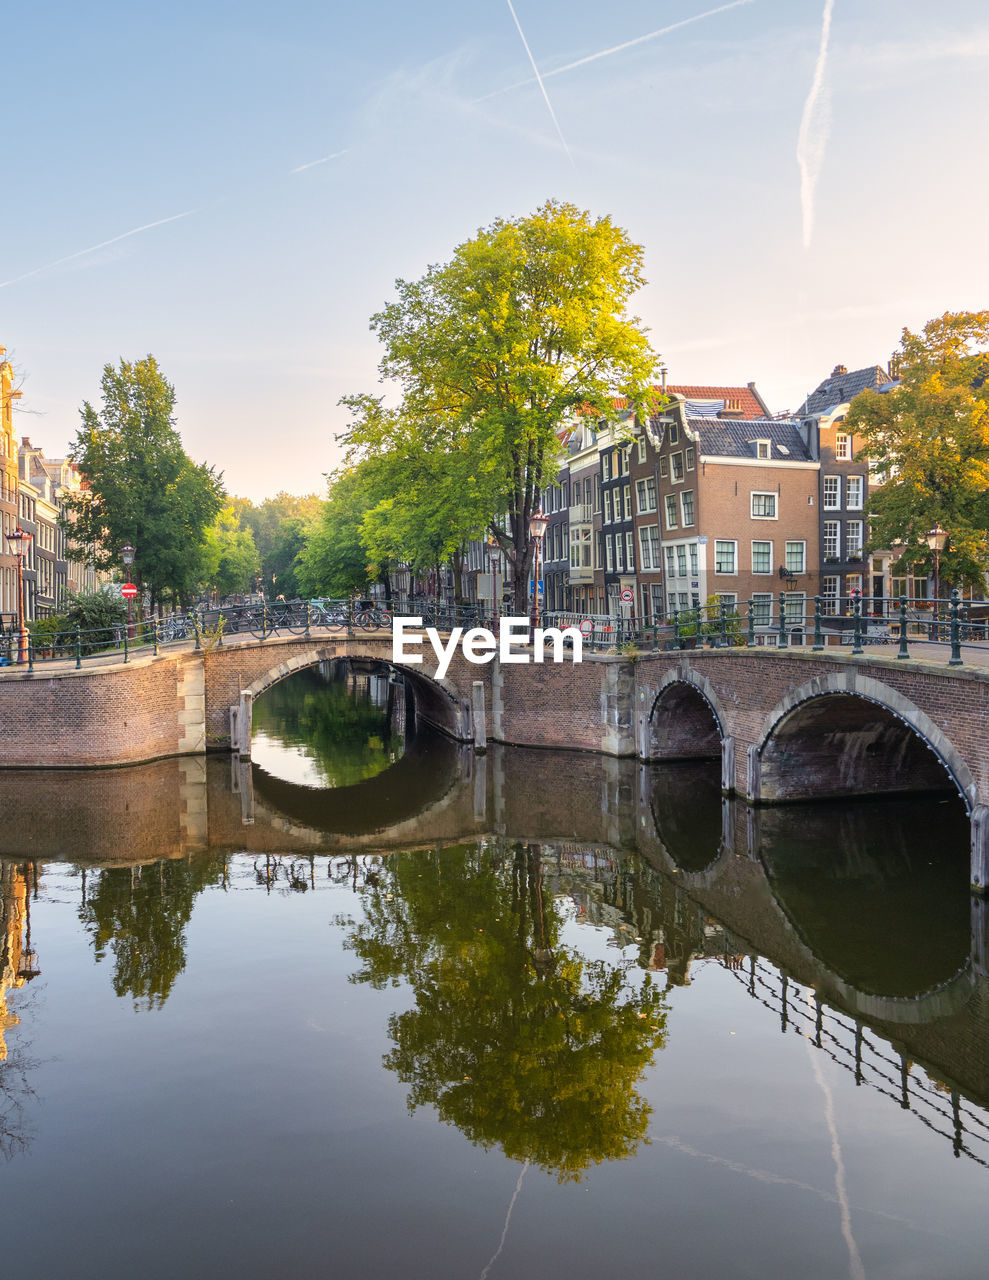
93 247
814 130
539 81
508 1218
617 48
313 163
856 1268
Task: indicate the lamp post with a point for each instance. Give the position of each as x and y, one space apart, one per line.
19 540
538 524
127 556
936 539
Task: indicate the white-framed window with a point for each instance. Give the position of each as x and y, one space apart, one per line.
674 433
671 511
692 549
762 557
649 546
670 568
681 561
663 468
724 555
627 491
853 538
619 553
629 551
793 608
855 492
796 557
843 447
829 593
762 608
689 457
641 448
763 506
831 542
762 448
853 587
607 506
645 492
597 493
676 467
687 507
609 553
671 600
606 465
831 491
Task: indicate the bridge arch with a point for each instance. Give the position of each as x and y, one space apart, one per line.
850 734
437 701
686 720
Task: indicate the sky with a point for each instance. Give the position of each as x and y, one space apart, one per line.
235 187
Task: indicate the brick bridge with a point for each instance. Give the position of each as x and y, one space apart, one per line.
787 726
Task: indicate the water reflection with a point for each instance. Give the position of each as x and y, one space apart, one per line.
138 915
332 725
877 891
516 1037
18 966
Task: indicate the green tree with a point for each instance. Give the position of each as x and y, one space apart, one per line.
928 441
334 560
280 526
525 327
229 560
514 1037
141 486
434 502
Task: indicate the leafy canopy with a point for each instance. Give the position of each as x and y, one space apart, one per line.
141 486
497 349
928 440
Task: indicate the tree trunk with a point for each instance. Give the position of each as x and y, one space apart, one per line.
458 576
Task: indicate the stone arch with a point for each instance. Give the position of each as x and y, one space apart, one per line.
870 750
686 720
438 702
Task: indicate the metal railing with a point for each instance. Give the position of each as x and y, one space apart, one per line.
914 627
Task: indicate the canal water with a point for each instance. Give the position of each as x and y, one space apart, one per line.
373 1006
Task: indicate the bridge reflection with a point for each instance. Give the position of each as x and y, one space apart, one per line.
851 922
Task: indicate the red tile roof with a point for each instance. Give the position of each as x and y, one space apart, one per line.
751 404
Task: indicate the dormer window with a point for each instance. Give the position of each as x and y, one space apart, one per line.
763 449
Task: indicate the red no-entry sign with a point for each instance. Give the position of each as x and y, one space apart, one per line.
128 591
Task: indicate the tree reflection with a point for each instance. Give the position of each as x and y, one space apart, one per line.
337 722
516 1038
139 915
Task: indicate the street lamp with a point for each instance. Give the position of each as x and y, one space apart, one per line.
538 524
936 539
127 556
19 540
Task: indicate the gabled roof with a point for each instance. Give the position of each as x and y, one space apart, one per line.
750 403
736 437
841 385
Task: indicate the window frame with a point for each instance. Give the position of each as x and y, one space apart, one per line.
764 493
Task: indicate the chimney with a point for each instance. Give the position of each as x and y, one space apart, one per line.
25 442
838 370
662 373
732 409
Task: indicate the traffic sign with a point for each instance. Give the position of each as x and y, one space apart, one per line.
586 626
128 591
627 596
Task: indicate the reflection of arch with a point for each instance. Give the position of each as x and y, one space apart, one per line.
437 701
826 738
686 721
688 816
419 779
896 867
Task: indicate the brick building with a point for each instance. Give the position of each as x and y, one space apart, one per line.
8 493
737 505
